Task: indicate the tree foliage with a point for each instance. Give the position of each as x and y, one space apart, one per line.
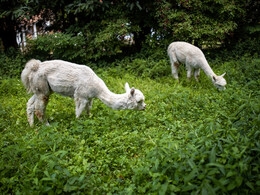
200 21
105 23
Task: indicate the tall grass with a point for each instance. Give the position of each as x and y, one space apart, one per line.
191 138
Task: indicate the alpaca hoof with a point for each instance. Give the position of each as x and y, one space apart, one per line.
30 123
47 123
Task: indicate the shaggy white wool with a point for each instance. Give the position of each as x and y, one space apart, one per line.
73 80
193 58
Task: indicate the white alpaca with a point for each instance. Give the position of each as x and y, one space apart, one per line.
73 80
193 58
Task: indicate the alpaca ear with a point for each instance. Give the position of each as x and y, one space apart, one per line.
127 88
132 91
223 74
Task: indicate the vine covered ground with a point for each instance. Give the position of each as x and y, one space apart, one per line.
191 139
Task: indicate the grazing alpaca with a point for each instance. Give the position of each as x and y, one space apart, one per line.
193 57
73 80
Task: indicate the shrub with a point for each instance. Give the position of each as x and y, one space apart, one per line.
12 64
58 46
147 68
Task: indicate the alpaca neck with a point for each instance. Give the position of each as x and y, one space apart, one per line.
206 68
112 100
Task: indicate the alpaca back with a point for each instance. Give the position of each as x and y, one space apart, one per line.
64 78
186 53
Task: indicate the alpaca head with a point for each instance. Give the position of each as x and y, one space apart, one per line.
135 98
219 82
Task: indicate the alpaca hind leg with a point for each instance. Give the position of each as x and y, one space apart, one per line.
89 106
80 106
40 107
30 110
174 65
197 74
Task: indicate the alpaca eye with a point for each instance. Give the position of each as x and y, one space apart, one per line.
140 101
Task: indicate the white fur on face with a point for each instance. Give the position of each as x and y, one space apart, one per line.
135 98
219 82
139 99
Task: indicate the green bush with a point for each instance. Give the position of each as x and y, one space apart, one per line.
242 47
12 64
107 41
58 46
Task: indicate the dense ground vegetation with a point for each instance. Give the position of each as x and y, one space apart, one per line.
191 138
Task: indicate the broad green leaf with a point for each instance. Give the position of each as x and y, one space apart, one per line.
190 176
212 156
163 188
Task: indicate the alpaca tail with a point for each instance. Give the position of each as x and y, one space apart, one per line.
171 54
30 69
169 49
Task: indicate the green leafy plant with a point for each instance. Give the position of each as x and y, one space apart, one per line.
58 46
12 64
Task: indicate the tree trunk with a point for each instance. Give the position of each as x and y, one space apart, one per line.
7 33
140 37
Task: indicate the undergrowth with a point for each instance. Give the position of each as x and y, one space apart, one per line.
191 138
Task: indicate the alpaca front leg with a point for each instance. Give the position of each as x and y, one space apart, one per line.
189 72
41 102
30 110
80 106
197 74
